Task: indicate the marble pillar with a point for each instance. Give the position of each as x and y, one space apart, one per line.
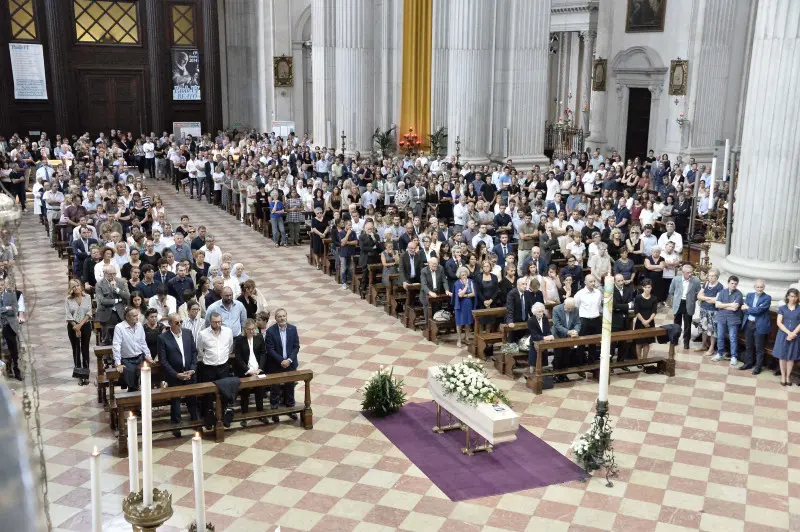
355 81
765 225
527 103
157 59
588 38
599 101
248 104
469 61
563 79
211 78
389 64
710 76
440 56
323 70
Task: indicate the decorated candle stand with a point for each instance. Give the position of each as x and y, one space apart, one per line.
411 143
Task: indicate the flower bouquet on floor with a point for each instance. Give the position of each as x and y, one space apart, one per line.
469 382
383 394
594 449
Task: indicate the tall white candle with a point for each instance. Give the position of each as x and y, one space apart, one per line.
97 505
133 454
726 160
711 186
147 437
199 493
605 339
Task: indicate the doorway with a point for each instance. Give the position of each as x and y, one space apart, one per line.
112 98
636 138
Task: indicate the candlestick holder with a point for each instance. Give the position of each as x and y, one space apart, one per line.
147 518
594 449
193 527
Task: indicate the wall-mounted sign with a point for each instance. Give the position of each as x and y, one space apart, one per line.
185 75
27 67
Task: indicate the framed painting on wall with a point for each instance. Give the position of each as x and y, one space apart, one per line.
645 15
678 76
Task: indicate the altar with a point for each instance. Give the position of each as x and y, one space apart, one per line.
495 423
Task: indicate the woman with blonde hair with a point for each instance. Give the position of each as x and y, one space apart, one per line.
78 308
463 302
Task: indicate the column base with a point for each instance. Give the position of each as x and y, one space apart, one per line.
778 276
598 139
526 161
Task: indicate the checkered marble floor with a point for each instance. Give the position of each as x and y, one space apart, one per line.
711 449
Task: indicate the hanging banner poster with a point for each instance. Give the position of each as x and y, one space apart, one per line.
185 75
27 67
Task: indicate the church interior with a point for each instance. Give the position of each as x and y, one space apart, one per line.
600 400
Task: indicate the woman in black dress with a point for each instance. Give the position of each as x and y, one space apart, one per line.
319 230
432 200
645 306
654 264
141 211
487 287
248 300
507 283
470 193
446 203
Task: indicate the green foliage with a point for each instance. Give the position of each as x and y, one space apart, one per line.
384 140
383 394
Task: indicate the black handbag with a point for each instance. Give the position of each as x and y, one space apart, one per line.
80 373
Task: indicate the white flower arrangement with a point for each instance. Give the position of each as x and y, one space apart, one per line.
590 449
469 382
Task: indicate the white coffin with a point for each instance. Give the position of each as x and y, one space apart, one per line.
493 424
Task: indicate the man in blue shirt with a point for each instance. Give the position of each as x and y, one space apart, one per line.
232 312
756 326
729 318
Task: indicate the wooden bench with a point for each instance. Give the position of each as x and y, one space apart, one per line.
435 328
304 409
391 294
113 378
327 259
376 287
505 362
100 354
131 402
411 310
487 334
665 364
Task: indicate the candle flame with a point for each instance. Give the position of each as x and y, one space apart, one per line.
197 436
145 366
95 452
130 415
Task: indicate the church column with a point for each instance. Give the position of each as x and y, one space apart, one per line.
439 63
157 59
765 228
323 67
563 78
211 78
355 86
710 76
599 99
58 34
470 55
588 38
527 111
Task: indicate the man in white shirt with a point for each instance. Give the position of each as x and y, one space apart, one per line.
369 198
358 222
649 240
129 348
589 301
214 348
671 236
671 262
150 157
482 237
212 251
45 171
552 186
460 214
164 304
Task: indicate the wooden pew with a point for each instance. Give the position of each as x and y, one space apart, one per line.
487 334
387 303
397 299
131 401
327 258
411 311
435 328
113 378
304 409
665 365
504 362
376 287
100 353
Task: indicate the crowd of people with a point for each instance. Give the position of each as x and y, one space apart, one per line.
538 242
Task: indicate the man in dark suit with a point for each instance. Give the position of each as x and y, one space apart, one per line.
539 329
81 248
756 326
369 243
250 359
283 345
518 307
622 298
433 281
411 264
177 354
503 250
112 296
566 324
9 323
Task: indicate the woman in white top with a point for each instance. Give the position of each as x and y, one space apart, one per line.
647 215
560 223
576 248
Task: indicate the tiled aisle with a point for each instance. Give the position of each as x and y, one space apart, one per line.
711 449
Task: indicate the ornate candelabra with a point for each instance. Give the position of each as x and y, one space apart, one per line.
147 518
458 148
410 143
344 138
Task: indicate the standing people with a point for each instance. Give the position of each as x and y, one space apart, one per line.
129 348
177 354
78 308
463 303
787 346
708 311
756 326
283 346
684 289
729 318
9 322
589 301
112 295
214 347
369 242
